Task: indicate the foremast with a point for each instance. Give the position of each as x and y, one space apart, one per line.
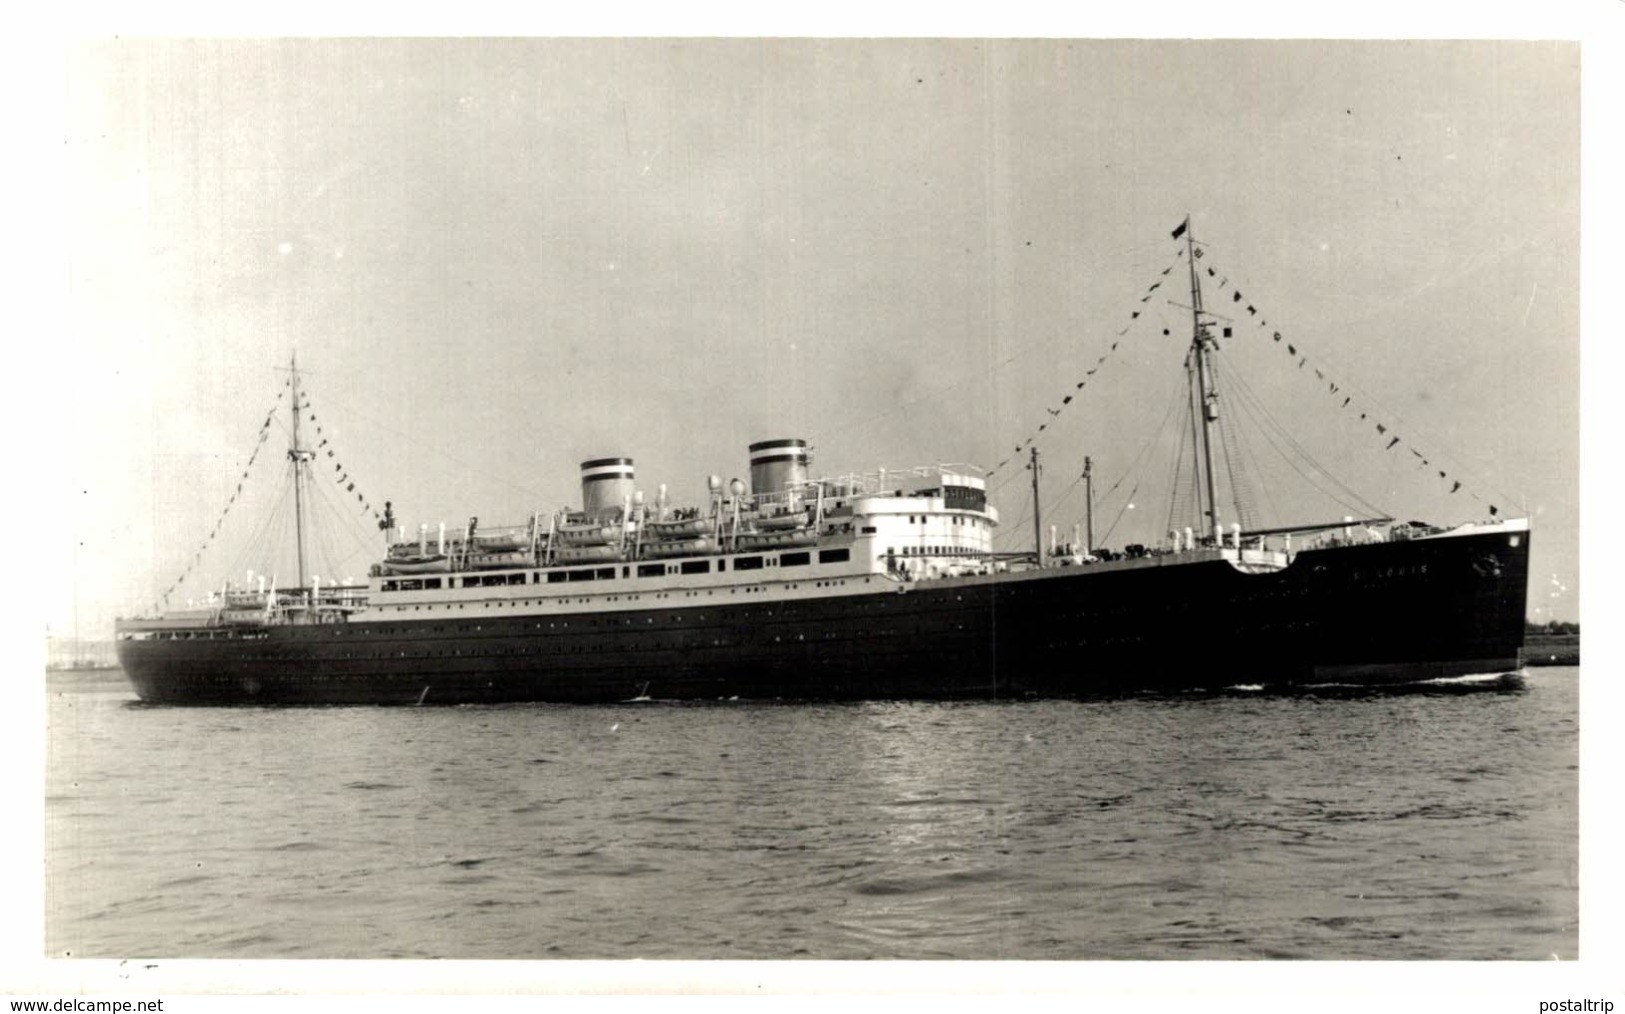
1201 365
300 458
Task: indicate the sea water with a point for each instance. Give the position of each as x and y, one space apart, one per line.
1436 823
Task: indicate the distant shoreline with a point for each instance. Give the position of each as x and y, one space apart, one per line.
89 675
1551 649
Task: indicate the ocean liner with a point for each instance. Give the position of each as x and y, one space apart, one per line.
857 586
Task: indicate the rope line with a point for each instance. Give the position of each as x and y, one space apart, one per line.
1371 409
1100 361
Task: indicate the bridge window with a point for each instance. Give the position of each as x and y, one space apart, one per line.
964 498
697 567
651 570
834 555
748 563
794 559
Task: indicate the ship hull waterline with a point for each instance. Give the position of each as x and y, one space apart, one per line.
1375 614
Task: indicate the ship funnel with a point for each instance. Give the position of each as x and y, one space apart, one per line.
776 465
605 483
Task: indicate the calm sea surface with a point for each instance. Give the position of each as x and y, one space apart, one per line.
1411 825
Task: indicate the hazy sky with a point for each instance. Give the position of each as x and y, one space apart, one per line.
498 259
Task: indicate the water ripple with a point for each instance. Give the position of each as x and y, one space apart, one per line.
1226 825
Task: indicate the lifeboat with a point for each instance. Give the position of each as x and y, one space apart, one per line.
776 540
586 554
500 542
780 522
591 533
687 528
680 547
498 561
434 563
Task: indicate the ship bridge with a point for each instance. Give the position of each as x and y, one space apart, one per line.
932 521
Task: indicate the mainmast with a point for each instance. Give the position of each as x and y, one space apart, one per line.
1038 517
1088 506
1194 407
1201 348
298 456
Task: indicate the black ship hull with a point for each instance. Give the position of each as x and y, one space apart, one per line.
1371 614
